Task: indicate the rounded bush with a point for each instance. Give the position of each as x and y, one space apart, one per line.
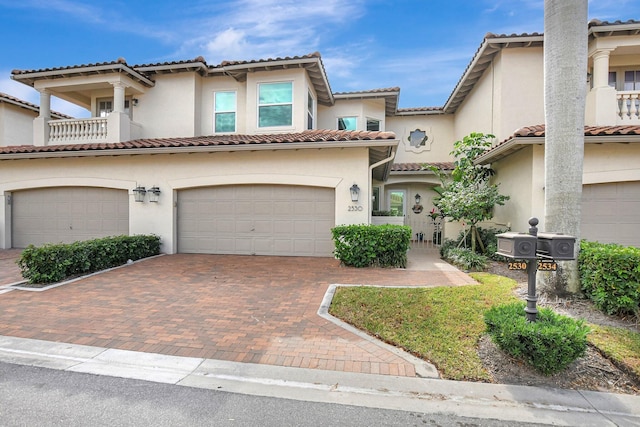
550 344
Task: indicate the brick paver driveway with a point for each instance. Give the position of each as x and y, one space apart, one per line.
237 308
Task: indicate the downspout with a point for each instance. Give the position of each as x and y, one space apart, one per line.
371 168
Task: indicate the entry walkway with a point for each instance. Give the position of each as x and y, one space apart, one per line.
236 308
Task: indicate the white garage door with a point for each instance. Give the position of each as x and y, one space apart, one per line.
67 214
256 220
611 213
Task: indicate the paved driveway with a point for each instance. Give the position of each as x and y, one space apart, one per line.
236 308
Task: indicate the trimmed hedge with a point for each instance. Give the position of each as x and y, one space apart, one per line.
610 276
372 245
550 344
52 263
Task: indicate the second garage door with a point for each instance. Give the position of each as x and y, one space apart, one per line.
283 220
611 213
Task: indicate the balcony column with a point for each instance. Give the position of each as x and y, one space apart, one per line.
118 123
41 123
602 106
118 97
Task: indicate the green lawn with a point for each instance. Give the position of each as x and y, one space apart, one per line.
443 325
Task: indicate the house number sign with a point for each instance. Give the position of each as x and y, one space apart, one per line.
354 209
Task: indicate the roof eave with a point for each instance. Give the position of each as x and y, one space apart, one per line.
200 149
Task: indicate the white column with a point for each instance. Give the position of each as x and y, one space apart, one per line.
602 106
601 68
118 97
45 103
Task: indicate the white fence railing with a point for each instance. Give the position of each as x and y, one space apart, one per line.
628 106
74 130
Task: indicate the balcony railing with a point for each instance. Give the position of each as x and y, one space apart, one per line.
74 130
629 106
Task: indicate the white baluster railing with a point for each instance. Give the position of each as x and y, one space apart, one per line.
629 106
72 131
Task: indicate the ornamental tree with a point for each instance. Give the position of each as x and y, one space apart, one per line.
467 195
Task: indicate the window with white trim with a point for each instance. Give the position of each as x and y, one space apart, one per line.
373 124
224 111
347 123
310 110
275 104
105 107
632 80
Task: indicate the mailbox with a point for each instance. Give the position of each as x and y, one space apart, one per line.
556 246
517 245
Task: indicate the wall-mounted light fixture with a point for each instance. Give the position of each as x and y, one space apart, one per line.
154 194
134 101
138 193
418 199
355 192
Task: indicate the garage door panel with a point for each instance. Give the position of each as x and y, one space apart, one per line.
260 219
611 213
68 214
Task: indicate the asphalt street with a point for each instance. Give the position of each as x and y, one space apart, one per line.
33 396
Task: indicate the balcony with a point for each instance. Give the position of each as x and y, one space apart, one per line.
116 127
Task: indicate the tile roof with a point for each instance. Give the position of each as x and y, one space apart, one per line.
28 105
311 136
420 167
538 132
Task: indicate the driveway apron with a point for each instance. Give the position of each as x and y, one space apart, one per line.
237 308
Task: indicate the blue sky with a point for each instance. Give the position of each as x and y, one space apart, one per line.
422 46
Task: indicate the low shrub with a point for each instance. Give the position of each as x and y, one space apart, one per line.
550 344
372 245
466 259
610 276
55 262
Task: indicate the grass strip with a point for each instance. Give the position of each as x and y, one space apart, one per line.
442 325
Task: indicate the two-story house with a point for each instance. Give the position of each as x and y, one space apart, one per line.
261 157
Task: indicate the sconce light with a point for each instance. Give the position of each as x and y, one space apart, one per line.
134 101
154 194
138 193
418 199
355 192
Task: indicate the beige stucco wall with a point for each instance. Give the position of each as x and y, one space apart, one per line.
331 168
508 96
611 163
439 130
16 125
169 108
362 109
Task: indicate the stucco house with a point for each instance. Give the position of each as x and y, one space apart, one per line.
262 157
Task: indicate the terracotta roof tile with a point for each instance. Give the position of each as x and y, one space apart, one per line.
260 61
418 167
539 130
312 136
370 92
28 105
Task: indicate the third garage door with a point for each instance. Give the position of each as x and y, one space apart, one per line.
611 213
283 220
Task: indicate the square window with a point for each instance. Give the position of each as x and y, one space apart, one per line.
275 104
373 124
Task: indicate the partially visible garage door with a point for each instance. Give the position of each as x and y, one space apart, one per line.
611 213
67 214
256 220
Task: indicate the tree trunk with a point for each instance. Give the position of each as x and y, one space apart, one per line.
565 71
